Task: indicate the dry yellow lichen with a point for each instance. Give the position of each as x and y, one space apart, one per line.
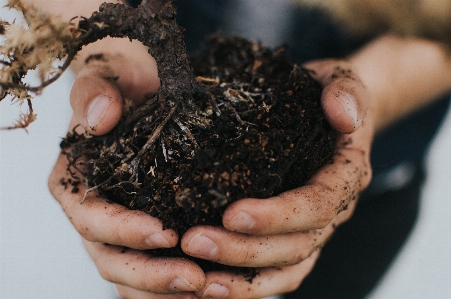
37 43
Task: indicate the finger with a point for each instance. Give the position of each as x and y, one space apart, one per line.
309 207
97 103
242 250
344 102
104 83
344 98
96 219
268 282
126 292
143 272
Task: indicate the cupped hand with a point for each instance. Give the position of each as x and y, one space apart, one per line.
113 235
108 228
283 234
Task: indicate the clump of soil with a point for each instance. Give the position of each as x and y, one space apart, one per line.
249 125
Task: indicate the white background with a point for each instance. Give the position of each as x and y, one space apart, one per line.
41 255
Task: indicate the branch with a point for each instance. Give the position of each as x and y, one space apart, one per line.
153 24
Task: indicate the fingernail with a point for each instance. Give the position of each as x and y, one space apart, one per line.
242 222
348 103
216 290
97 109
182 284
157 240
202 246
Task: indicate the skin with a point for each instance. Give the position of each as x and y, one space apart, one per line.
382 82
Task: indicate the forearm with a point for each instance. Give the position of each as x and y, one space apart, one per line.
402 75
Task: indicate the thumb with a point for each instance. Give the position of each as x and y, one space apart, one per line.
96 102
120 70
344 98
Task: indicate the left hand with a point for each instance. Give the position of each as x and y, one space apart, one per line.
97 102
283 234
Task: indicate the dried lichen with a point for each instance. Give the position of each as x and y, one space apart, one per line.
40 42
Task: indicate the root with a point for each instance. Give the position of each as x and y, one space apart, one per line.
207 80
186 131
214 104
93 189
135 162
238 117
145 110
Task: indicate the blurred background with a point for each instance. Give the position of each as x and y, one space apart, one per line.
41 255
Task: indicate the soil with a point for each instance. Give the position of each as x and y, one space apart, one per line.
249 125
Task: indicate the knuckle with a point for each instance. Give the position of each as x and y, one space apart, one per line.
326 216
323 222
297 257
85 233
104 272
82 229
292 285
326 209
293 282
367 176
245 256
345 216
302 251
51 183
122 291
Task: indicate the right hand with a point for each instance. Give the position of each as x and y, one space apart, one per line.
106 228
283 234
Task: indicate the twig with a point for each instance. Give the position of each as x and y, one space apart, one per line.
93 188
207 80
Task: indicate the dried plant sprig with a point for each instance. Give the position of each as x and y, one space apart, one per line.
38 43
24 119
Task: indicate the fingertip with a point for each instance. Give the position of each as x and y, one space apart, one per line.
161 240
240 222
97 104
344 99
246 216
197 277
340 113
190 277
103 113
341 109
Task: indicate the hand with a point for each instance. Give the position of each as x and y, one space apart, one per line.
97 99
284 234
